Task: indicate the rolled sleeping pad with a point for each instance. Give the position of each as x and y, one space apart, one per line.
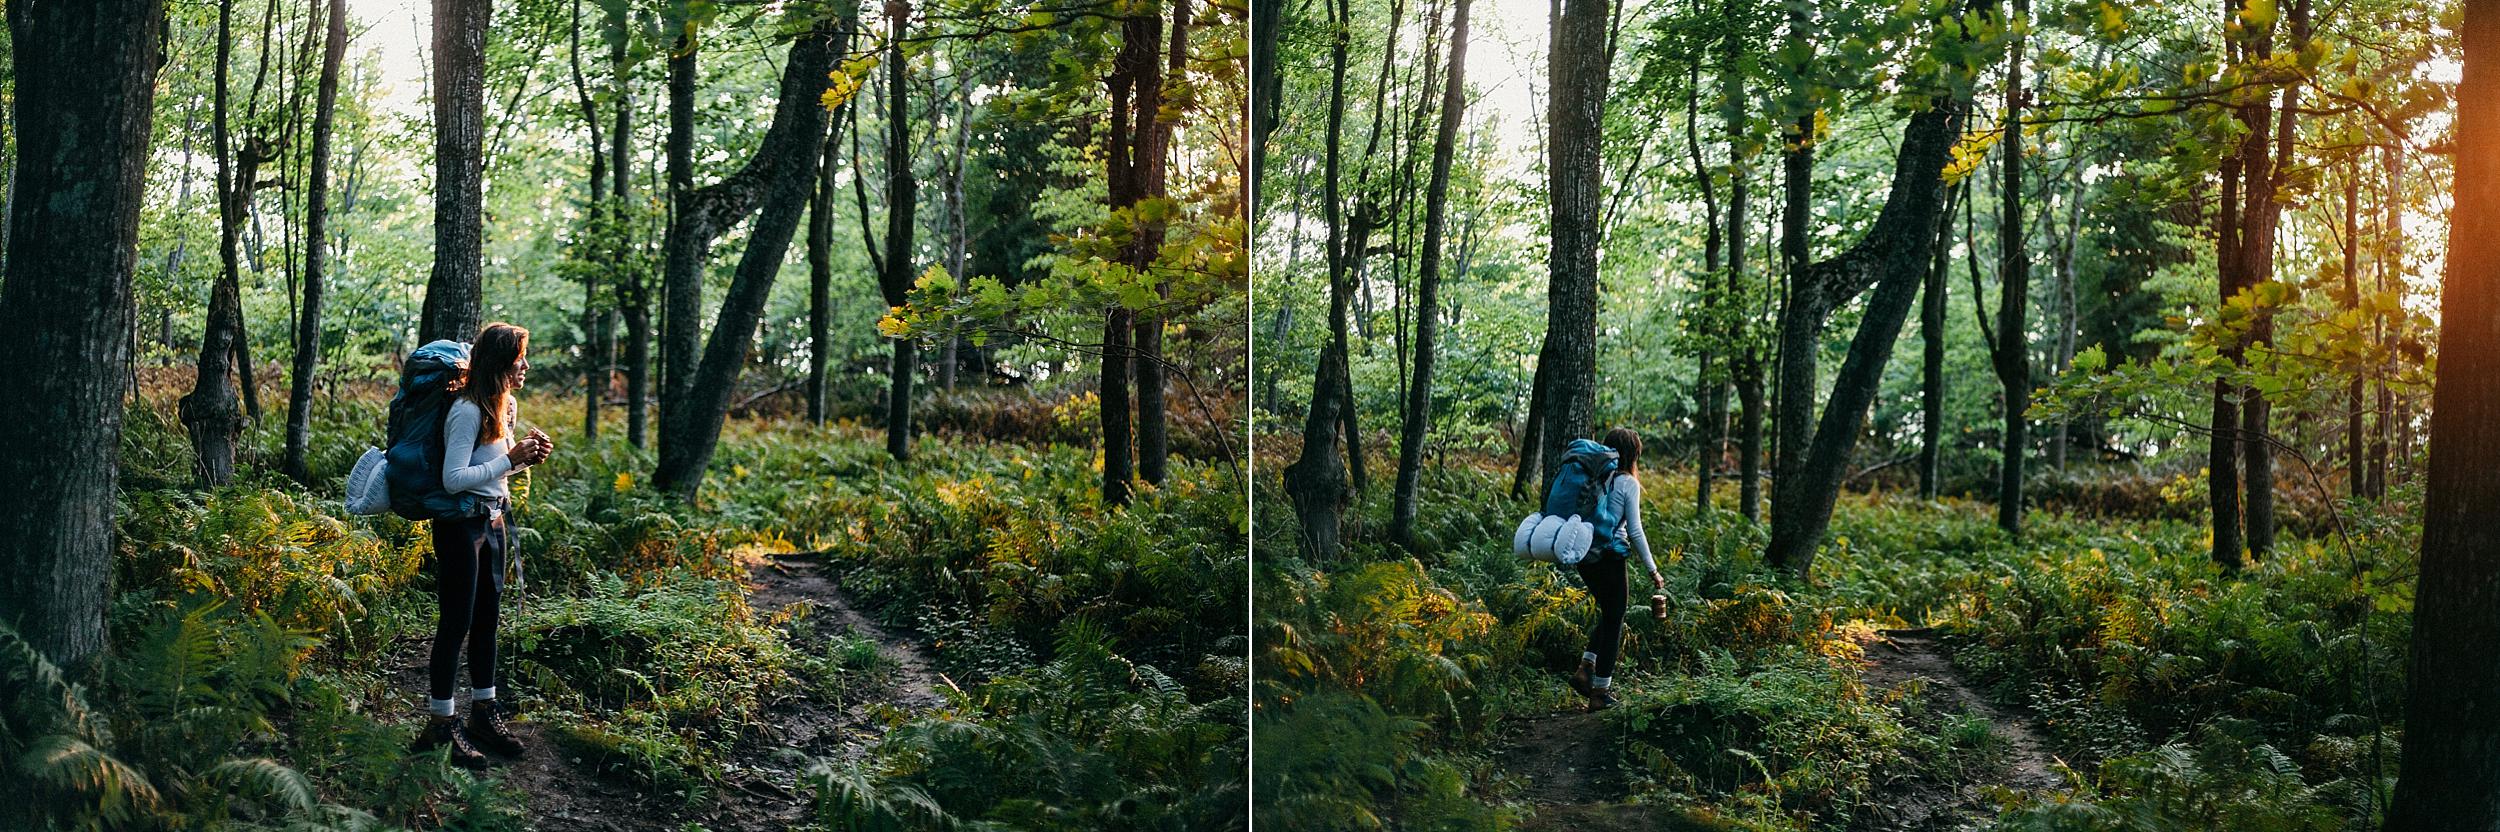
1541 541
1527 529
1572 543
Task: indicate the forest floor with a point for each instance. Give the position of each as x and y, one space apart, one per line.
562 791
1567 761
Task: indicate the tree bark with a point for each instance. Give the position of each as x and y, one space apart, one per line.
85 88
455 290
1418 417
316 247
633 294
2222 456
2257 245
594 377
2451 758
1531 433
796 139
1575 117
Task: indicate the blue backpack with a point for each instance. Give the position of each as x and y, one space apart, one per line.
414 467
1580 490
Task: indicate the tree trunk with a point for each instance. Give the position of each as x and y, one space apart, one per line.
2013 351
1575 117
820 274
1316 479
900 198
1418 416
316 247
2451 756
1893 257
1745 363
85 88
1931 324
1531 433
688 242
2257 244
594 379
1800 341
1709 385
633 294
795 140
959 236
1154 441
2222 456
455 291
210 411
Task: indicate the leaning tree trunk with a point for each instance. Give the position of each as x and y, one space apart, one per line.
1894 258
1418 416
1575 115
210 412
316 247
795 140
2451 759
85 92
455 290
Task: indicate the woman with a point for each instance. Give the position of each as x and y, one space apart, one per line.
1605 571
479 457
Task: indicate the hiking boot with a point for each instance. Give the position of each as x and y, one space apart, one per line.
1601 698
486 730
444 731
1580 683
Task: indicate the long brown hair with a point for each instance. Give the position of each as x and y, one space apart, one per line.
499 346
1627 446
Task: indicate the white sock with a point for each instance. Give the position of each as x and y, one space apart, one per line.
1602 682
438 707
1589 657
484 694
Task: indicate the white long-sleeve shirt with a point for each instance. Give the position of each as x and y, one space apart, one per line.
471 468
1624 493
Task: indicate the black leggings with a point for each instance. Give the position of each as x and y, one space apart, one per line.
468 592
1609 581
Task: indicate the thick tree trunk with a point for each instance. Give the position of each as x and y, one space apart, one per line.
688 240
2013 350
691 431
316 247
85 89
1575 117
2257 245
455 291
1894 257
2222 455
1418 416
1316 479
2451 757
901 197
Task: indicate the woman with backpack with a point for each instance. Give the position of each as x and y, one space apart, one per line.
480 455
1606 571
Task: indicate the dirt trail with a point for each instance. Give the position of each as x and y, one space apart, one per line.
1567 762
1895 658
565 792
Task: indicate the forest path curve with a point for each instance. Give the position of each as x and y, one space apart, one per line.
762 790
1894 658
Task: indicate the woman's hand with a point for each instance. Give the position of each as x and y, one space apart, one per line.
531 450
1657 579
